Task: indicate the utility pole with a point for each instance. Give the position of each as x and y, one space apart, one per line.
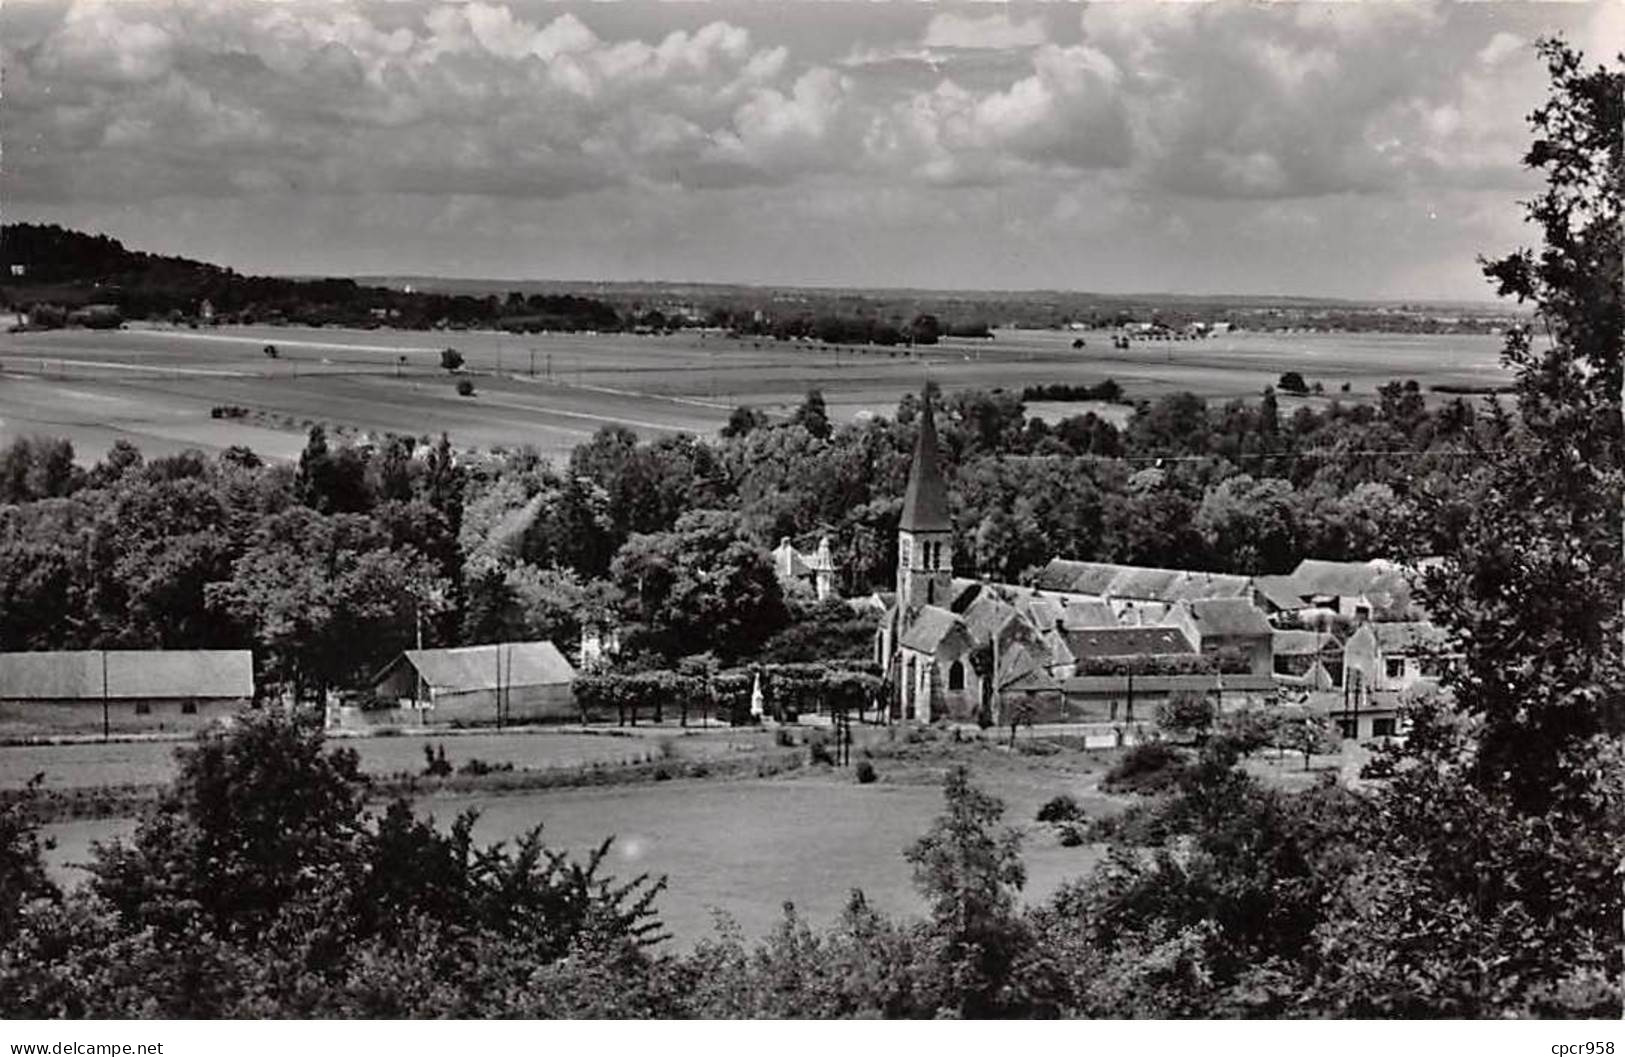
106 719
533 363
497 650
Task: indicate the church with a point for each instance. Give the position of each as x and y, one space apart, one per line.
950 648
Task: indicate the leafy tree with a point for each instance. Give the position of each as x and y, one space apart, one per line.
701 586
812 415
969 872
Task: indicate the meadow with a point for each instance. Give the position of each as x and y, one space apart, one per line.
156 386
745 847
87 765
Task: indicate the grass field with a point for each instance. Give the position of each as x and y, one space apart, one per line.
745 846
153 762
156 385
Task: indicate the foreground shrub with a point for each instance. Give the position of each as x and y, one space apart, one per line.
866 772
1150 767
1061 808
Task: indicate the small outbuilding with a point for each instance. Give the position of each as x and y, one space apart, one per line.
505 682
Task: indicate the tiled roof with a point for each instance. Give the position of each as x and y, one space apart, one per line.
1126 642
1282 592
931 624
72 675
1229 616
1414 636
1079 614
1139 582
985 616
477 667
1316 577
1294 642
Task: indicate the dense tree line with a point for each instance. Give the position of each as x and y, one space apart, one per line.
67 267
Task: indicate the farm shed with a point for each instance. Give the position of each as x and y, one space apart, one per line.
505 682
87 691
1137 697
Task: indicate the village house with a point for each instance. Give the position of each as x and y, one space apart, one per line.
1396 656
1228 624
1353 590
1137 594
1312 660
500 683
815 571
122 691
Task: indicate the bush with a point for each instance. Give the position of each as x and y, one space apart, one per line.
1061 808
271 351
866 772
1292 382
1150 767
478 767
818 751
1072 835
783 738
451 359
435 765
465 387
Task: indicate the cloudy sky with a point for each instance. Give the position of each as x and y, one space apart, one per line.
1366 150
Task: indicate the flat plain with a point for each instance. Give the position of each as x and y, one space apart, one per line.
158 386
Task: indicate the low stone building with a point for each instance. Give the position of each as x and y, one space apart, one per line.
122 691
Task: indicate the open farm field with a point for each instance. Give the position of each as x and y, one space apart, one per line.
746 845
151 762
156 386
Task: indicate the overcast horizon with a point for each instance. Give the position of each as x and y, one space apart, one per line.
1365 152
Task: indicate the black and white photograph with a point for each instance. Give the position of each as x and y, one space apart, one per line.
755 510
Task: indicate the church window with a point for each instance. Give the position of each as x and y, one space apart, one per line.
956 676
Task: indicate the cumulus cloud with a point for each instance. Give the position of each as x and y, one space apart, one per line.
1172 114
950 30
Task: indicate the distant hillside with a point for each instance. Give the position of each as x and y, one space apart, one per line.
49 270
45 268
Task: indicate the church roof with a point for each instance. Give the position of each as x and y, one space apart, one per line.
925 503
931 625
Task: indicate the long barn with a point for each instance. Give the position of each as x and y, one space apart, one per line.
89 691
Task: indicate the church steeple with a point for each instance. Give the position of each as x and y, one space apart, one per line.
925 503
924 531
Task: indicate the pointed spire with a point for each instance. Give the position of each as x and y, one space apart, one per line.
925 504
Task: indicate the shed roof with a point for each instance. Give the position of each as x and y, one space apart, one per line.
76 675
1158 684
477 667
1126 642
